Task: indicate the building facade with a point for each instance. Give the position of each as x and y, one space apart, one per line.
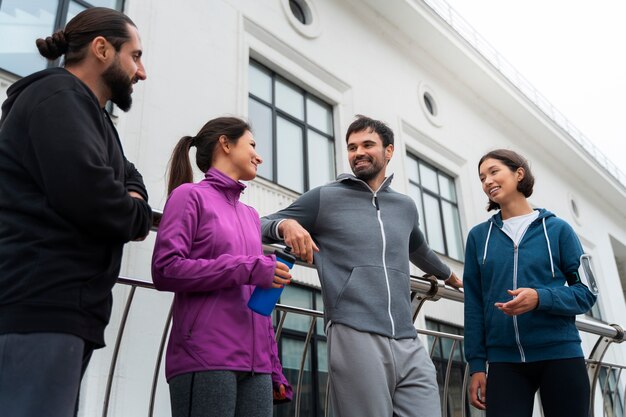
299 70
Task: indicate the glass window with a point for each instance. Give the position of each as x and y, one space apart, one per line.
428 178
321 150
294 131
434 193
432 222
443 351
291 347
452 229
319 306
320 115
289 99
260 83
289 152
74 9
613 397
22 22
262 115
297 297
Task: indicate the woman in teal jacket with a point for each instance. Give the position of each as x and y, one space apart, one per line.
519 313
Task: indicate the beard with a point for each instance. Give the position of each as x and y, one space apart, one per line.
369 172
120 84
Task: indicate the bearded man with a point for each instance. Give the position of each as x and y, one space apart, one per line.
362 235
69 201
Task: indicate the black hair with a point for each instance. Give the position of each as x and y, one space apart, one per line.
513 161
365 123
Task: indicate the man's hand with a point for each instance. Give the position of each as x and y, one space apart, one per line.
282 276
454 281
524 300
300 241
135 194
138 196
478 390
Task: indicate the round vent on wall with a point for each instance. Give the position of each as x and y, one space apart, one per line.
302 16
574 208
429 104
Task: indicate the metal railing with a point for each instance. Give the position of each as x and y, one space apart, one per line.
422 289
484 48
606 379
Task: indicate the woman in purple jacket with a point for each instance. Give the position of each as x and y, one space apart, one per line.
221 358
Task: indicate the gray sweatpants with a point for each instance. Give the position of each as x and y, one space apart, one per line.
375 376
40 373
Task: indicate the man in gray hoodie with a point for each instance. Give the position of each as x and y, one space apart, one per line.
363 235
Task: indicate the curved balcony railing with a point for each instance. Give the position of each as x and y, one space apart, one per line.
471 36
607 379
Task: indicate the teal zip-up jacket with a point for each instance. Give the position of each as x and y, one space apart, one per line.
546 259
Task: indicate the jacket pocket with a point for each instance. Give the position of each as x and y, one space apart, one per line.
198 317
364 292
499 328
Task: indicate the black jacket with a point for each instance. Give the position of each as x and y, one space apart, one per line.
65 211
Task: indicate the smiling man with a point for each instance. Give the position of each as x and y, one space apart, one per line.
363 235
69 200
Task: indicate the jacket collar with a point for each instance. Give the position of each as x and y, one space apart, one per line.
232 189
349 178
497 218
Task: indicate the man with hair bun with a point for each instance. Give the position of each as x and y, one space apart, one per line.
69 201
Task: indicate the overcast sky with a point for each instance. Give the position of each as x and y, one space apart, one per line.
572 51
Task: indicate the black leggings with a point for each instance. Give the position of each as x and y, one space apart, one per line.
563 386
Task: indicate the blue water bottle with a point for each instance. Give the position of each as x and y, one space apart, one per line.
263 300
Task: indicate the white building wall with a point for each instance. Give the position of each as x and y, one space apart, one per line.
196 57
361 61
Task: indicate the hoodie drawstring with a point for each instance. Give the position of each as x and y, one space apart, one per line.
545 232
487 242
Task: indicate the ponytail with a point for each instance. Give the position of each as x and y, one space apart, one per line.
179 170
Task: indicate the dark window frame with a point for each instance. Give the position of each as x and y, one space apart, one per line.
60 21
441 362
423 190
312 352
302 124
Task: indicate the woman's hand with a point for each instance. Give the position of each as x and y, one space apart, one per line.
524 300
280 394
478 390
282 276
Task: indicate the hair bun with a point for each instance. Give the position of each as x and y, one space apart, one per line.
53 46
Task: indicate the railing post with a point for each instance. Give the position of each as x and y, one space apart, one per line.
116 351
302 362
595 361
418 300
157 365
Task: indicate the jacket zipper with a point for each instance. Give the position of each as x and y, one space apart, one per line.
517 339
382 232
515 257
243 237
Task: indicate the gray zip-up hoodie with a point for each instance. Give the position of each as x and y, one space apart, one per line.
366 239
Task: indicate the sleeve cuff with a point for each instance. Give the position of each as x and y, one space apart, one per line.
139 190
276 233
477 365
545 299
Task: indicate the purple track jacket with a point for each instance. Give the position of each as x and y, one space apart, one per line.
208 252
